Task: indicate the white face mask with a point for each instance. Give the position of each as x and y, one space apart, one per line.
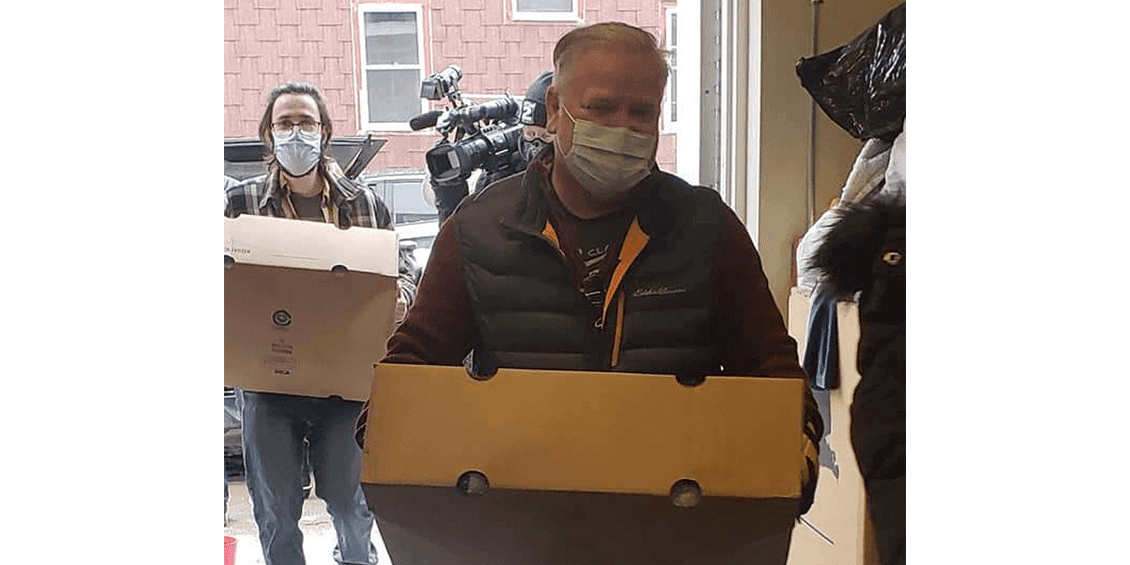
609 161
298 151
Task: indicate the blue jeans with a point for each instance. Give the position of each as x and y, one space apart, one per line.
274 428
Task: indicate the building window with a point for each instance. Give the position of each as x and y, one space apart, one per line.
670 101
392 60
545 10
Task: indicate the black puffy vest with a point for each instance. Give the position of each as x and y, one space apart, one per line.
530 313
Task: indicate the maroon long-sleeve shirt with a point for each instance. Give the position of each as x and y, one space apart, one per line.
440 327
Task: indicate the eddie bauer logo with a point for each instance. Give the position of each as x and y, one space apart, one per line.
657 291
281 318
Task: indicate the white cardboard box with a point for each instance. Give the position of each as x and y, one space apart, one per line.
307 306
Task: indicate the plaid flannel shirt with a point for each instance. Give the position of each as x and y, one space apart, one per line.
346 203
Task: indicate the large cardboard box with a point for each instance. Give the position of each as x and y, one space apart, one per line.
307 306
581 467
836 530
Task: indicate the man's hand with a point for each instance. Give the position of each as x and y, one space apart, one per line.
810 471
808 486
813 431
401 310
359 426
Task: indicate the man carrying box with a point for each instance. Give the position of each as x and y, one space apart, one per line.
595 260
302 182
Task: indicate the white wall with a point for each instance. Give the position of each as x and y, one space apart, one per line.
772 121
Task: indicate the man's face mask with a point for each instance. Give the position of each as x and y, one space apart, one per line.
609 161
298 151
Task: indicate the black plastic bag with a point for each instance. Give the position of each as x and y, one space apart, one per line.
862 85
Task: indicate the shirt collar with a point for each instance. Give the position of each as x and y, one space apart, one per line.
649 201
336 190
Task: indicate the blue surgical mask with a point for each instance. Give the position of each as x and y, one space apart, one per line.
298 152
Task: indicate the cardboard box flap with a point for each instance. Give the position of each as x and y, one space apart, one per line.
281 242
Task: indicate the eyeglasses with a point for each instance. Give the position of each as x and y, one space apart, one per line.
286 126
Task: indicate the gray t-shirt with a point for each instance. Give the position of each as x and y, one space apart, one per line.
308 207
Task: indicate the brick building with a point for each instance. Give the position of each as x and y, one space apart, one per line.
369 58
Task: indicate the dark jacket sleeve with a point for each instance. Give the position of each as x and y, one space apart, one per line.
754 338
440 327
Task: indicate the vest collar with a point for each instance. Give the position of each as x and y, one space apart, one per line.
653 201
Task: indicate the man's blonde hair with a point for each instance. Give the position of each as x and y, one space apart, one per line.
572 44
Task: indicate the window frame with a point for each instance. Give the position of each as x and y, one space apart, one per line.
365 67
668 125
570 16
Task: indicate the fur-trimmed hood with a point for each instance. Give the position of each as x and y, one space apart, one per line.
865 252
866 243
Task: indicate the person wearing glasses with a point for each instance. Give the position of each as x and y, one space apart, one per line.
304 183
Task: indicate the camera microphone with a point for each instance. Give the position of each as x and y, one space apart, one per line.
425 120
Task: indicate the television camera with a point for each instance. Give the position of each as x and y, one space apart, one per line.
474 136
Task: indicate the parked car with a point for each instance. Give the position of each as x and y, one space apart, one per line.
419 236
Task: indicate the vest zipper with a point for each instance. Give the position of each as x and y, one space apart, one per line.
635 240
619 333
549 236
613 357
